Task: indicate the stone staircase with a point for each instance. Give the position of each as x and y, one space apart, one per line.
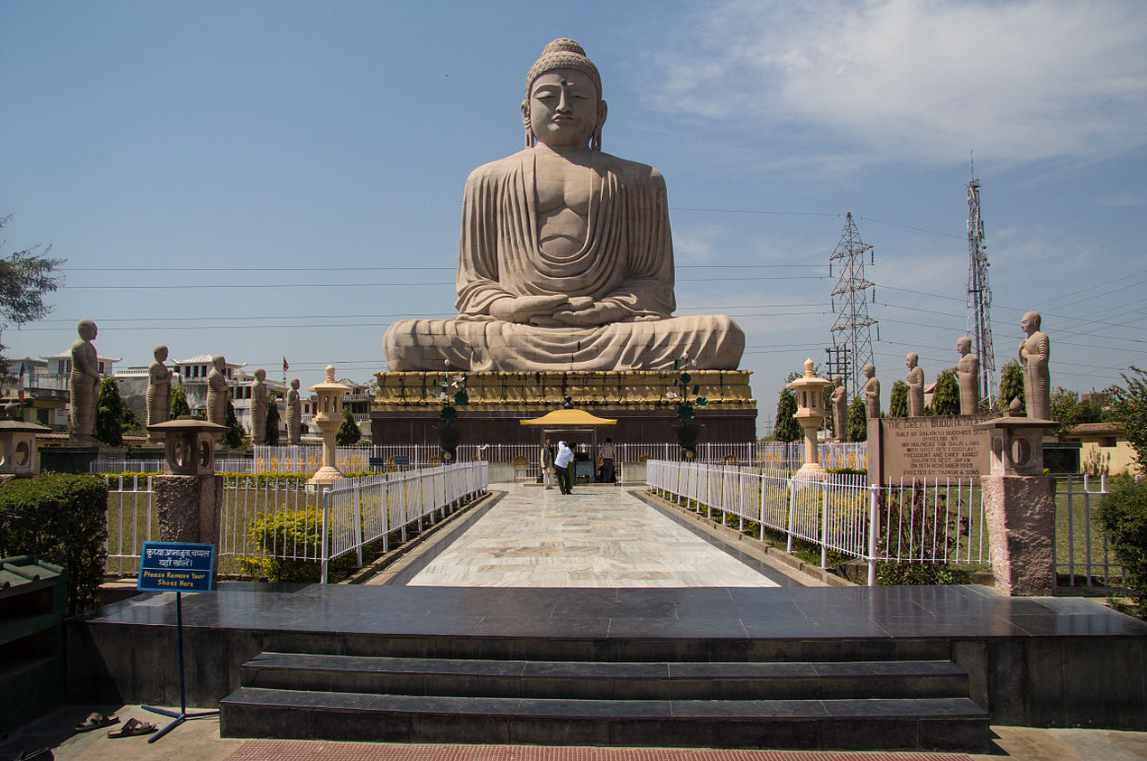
818 704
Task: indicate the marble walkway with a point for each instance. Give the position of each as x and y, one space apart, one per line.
596 537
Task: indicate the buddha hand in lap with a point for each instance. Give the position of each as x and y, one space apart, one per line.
565 258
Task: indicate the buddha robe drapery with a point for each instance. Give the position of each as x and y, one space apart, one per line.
626 261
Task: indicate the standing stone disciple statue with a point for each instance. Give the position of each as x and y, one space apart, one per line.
158 388
217 391
84 383
1035 352
915 383
294 414
565 259
839 409
968 374
259 407
871 393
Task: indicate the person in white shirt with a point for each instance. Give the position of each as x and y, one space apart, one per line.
562 467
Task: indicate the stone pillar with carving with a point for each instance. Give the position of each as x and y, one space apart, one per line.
1019 506
189 496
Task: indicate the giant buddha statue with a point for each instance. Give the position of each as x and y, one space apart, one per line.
565 259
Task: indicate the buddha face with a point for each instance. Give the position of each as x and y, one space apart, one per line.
1030 322
563 108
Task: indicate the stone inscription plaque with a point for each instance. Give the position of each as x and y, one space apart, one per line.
927 447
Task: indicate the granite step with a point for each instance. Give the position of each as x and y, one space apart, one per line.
589 680
946 723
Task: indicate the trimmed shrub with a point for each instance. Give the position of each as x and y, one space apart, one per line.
283 534
62 519
1122 515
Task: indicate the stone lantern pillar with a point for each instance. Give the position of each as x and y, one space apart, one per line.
1019 506
18 448
189 496
810 391
328 418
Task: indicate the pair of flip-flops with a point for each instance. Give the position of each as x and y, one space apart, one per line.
130 728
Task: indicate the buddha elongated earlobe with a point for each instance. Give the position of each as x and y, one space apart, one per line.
595 141
530 140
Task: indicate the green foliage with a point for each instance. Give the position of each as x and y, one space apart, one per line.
109 413
1068 411
1011 385
25 278
1122 515
857 420
686 410
920 573
898 400
946 394
234 436
349 432
284 534
272 433
61 519
787 428
1130 411
132 426
179 406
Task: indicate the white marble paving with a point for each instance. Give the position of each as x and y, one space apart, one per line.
596 537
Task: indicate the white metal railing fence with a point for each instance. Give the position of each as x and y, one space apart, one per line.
126 466
358 511
1083 552
131 521
282 519
918 521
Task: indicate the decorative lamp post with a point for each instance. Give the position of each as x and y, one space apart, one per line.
328 418
810 414
188 445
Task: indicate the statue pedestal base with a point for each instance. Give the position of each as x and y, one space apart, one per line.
406 408
1020 513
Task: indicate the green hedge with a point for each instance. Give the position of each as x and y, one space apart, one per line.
1123 516
61 519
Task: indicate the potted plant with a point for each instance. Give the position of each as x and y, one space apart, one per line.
688 430
452 392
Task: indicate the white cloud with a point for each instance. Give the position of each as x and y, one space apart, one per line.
921 80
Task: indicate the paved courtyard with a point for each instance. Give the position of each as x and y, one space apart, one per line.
596 537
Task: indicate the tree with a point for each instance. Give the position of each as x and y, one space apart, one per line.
109 413
179 406
348 433
25 278
1011 385
1068 411
272 435
857 420
234 436
1129 409
898 400
787 428
946 394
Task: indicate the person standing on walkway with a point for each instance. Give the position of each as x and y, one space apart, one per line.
607 455
547 463
562 466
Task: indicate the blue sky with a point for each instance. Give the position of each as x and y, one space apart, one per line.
270 179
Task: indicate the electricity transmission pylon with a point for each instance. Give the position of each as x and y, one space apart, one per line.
980 296
851 334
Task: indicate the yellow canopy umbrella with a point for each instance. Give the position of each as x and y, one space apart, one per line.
571 420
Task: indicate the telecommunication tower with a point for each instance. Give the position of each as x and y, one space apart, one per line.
980 296
851 337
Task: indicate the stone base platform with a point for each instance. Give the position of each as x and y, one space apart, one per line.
406 407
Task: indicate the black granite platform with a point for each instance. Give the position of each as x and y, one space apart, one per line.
1030 661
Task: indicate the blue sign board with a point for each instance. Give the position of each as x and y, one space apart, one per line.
175 567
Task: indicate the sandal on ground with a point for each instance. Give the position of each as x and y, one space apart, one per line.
133 728
96 721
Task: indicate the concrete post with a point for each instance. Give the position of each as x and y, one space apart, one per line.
1019 504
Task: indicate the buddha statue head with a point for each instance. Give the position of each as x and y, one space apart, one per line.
563 106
